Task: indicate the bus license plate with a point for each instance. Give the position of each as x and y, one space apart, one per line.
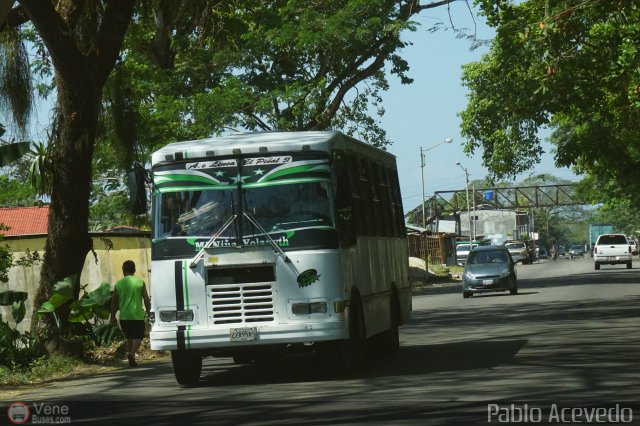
243 334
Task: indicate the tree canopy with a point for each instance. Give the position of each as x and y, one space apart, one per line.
190 70
572 66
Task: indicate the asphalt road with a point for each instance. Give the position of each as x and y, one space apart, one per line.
567 344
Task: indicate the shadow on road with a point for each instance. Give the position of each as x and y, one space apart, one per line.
602 277
410 361
530 313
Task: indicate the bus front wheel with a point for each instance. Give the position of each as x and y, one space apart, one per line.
348 354
187 366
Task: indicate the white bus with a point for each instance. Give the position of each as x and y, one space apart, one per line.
270 242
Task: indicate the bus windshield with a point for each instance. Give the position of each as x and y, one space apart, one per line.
276 208
287 207
194 213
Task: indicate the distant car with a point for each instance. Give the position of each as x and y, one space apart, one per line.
489 269
576 250
542 253
462 251
561 251
519 251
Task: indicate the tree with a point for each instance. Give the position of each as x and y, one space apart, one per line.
571 66
190 68
83 41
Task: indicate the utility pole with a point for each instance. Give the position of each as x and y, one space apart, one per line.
475 222
466 178
424 217
422 151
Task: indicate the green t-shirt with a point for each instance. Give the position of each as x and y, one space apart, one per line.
130 298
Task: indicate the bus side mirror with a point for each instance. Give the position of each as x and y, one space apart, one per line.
137 190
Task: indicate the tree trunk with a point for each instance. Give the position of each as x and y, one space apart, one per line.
68 240
82 64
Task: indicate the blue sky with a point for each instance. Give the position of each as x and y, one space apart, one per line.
425 112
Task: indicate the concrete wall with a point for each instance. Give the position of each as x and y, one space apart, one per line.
490 223
111 251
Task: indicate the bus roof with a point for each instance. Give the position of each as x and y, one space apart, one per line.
268 142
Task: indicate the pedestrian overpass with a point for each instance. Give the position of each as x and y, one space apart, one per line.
444 203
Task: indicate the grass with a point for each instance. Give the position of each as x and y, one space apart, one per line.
58 367
41 370
445 271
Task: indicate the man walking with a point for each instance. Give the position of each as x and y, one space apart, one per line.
128 295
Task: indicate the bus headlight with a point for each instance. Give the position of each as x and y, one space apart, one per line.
300 309
184 315
318 308
172 316
309 308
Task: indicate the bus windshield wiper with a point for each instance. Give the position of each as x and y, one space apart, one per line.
255 223
212 240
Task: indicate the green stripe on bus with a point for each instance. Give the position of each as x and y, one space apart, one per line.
291 170
283 182
183 177
181 188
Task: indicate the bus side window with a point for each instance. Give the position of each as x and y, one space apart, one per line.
385 205
372 170
367 199
344 210
356 197
392 209
397 204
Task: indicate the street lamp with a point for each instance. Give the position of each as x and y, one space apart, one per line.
466 178
422 151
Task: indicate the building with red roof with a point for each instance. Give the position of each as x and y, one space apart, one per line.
25 220
28 233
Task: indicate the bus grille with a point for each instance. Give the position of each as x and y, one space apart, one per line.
246 303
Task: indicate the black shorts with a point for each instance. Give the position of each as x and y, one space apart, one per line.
132 329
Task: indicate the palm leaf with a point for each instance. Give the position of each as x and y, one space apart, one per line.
40 170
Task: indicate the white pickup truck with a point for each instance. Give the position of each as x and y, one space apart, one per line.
612 249
462 252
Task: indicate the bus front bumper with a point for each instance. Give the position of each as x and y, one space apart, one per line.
189 337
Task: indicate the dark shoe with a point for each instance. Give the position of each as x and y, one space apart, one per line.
132 361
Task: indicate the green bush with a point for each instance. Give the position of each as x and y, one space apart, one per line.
19 350
90 313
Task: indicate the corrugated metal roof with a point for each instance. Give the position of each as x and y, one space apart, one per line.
25 220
